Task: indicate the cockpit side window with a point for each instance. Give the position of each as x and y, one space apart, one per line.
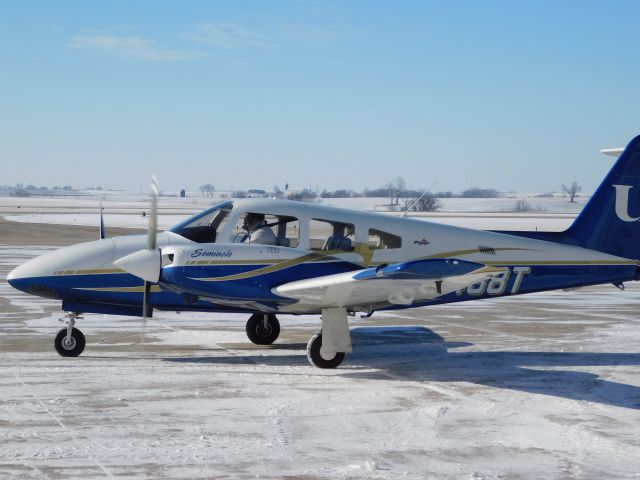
286 230
204 227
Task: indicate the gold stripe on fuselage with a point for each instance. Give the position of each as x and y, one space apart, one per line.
281 265
231 262
140 289
457 253
563 262
96 271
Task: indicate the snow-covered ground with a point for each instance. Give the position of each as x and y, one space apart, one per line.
533 387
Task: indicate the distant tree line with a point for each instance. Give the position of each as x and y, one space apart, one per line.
22 190
340 193
413 200
396 190
395 194
400 197
305 195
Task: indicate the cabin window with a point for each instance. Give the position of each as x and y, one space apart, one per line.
328 235
285 229
379 240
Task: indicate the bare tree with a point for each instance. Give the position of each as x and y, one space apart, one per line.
401 186
425 203
207 189
572 190
20 191
522 206
395 188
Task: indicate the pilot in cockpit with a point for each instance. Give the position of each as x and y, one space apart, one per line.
257 230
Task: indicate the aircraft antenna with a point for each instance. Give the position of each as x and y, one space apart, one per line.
418 199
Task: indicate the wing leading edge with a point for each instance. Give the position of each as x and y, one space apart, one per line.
397 284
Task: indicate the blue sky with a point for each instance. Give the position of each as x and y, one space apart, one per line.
335 94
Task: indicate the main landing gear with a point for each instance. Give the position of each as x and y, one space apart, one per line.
315 357
70 341
327 349
263 329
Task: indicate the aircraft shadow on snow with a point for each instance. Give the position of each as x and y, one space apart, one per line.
419 354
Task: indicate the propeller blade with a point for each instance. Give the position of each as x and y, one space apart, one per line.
145 313
145 300
153 215
148 263
103 233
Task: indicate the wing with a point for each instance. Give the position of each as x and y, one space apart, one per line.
398 284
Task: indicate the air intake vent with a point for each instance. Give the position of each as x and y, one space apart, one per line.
486 250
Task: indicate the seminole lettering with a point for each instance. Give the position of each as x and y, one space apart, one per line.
211 254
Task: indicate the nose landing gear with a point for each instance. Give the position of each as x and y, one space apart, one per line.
70 341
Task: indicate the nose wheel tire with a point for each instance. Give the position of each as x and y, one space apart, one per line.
263 329
317 360
70 347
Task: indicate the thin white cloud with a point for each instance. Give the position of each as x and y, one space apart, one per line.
234 36
131 47
228 35
219 35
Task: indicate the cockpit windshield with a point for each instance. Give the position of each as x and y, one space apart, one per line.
203 227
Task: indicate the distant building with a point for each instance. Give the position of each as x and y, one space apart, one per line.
256 193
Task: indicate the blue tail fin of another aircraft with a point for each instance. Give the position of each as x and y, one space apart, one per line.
610 222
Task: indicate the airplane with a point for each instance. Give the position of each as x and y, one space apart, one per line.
333 262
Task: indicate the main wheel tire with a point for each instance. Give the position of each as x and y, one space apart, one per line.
262 334
71 348
317 360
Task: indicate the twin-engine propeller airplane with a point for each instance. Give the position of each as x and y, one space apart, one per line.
296 258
